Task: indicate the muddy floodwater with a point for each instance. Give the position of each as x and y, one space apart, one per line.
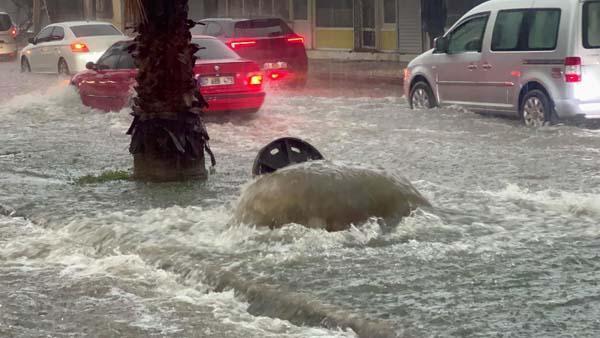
510 249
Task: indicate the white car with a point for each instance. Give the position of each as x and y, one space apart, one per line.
66 48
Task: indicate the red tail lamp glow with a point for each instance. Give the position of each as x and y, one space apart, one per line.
255 80
13 32
296 39
242 43
79 47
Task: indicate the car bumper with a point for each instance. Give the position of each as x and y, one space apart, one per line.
77 61
234 101
573 108
8 49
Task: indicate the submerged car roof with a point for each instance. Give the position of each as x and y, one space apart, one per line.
81 23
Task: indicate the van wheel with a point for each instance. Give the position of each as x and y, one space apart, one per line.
25 67
421 96
63 67
536 110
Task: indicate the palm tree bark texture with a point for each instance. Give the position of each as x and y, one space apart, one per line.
168 136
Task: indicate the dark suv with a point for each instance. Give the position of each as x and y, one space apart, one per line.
268 41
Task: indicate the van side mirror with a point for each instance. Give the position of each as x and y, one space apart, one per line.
440 45
90 65
31 41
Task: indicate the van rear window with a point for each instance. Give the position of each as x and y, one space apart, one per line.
5 22
591 24
261 28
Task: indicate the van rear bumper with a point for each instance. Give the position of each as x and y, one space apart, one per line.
572 108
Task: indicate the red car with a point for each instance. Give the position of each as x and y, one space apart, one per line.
227 82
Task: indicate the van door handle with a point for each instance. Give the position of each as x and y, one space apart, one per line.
472 67
487 66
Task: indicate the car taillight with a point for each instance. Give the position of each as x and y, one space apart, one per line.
573 69
295 39
255 79
79 47
236 44
13 32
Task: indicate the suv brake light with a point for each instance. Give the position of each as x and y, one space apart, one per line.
79 47
573 69
295 39
13 32
236 44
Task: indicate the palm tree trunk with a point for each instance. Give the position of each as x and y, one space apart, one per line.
168 135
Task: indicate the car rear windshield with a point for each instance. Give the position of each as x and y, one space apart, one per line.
591 24
212 49
261 28
5 22
94 30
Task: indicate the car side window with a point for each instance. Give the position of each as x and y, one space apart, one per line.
526 30
58 34
126 61
110 59
507 30
44 35
543 29
468 37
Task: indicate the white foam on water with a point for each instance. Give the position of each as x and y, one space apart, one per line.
569 203
231 311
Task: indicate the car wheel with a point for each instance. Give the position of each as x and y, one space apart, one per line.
63 67
421 96
536 110
25 67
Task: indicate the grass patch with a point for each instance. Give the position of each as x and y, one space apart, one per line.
107 176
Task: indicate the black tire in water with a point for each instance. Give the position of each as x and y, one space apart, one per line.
536 109
63 67
25 67
421 96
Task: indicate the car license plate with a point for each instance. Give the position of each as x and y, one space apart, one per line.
275 65
207 81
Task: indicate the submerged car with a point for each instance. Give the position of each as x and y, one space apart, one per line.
269 41
226 81
539 60
8 36
66 48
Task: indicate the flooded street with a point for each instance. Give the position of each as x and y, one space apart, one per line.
510 249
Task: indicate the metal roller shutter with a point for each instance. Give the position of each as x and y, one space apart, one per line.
410 39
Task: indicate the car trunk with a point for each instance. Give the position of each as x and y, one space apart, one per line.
239 70
100 43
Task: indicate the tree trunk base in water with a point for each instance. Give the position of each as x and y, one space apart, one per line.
156 168
166 151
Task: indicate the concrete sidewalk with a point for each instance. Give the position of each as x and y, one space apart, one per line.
381 72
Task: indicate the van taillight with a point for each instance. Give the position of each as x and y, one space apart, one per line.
13 32
573 69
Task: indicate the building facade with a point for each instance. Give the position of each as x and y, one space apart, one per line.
345 29
355 29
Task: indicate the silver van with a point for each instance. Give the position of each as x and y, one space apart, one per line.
537 59
8 35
